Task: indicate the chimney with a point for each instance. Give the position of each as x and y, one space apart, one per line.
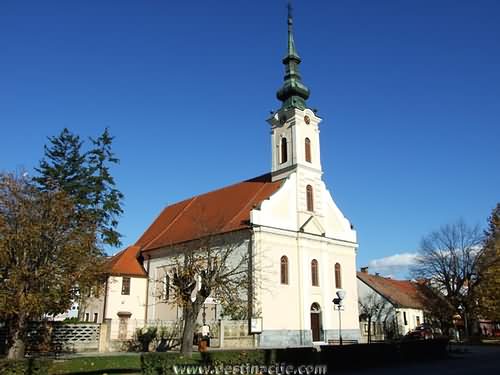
364 269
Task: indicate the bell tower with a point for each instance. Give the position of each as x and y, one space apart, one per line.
295 131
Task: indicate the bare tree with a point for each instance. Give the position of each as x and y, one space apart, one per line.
373 308
212 266
449 259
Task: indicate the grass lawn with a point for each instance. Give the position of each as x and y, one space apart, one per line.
114 364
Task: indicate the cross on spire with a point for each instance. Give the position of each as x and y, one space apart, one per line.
293 93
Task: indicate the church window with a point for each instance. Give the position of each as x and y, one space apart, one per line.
308 149
310 200
314 273
284 270
284 150
126 286
338 276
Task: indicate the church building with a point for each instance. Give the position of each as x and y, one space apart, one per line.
289 222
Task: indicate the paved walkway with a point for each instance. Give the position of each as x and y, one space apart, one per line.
469 360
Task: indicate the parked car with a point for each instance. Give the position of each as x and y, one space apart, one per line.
424 332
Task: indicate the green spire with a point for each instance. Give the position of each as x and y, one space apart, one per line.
293 93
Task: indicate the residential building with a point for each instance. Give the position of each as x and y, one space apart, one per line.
405 304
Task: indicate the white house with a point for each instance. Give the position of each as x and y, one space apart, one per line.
122 297
406 301
286 219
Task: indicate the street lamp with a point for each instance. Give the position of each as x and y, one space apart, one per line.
461 308
339 304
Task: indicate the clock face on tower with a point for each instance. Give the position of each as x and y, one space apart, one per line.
307 120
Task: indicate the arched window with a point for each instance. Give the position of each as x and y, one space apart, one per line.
338 276
310 200
308 149
284 270
314 273
284 150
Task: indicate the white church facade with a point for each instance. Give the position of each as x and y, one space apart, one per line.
304 248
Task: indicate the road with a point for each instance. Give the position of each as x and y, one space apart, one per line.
473 360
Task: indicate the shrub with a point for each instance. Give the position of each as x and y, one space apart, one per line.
25 366
162 363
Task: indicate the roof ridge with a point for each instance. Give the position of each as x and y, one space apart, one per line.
251 200
225 187
371 286
191 200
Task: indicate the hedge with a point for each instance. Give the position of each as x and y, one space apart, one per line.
26 366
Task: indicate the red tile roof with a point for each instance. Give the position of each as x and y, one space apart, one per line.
401 293
125 263
220 211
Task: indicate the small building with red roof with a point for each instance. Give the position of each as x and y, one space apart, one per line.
407 303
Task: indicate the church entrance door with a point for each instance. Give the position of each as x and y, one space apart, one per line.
316 322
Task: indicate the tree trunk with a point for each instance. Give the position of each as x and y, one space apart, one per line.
187 332
190 315
17 337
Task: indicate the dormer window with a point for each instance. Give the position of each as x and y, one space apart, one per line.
284 150
309 198
308 149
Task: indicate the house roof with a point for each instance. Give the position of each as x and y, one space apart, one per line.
219 211
125 263
400 293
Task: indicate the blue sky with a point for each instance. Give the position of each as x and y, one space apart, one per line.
409 92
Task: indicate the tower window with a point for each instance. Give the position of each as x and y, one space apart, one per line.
308 149
314 273
284 150
284 270
309 196
338 276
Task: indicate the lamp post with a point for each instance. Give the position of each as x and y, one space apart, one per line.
339 304
463 315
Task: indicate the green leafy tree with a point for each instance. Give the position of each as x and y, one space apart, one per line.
489 286
85 177
47 254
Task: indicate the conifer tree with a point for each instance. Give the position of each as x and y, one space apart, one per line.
104 198
64 168
85 177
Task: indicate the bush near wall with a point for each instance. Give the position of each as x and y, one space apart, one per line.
238 357
28 366
162 363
